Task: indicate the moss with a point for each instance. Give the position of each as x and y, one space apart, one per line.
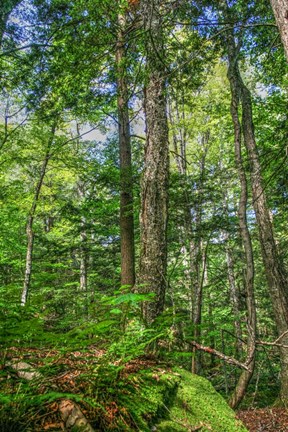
147 395
175 402
197 403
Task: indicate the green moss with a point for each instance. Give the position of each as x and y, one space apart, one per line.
175 402
147 394
197 403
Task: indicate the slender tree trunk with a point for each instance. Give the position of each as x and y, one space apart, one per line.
191 223
233 74
154 188
280 9
83 258
276 277
126 180
275 273
234 296
29 226
83 245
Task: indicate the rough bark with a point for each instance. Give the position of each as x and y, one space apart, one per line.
154 188
233 76
280 9
126 180
30 221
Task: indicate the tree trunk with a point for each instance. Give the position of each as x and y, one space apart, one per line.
233 76
276 277
154 188
280 9
126 180
234 296
83 256
29 226
190 224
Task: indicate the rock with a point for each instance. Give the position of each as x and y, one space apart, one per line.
197 406
73 416
24 370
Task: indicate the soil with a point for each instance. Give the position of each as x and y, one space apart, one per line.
265 419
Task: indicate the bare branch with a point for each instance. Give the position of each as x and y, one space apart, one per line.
222 356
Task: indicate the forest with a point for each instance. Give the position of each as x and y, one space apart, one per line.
143 222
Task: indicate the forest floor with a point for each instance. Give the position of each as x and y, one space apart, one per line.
265 419
66 373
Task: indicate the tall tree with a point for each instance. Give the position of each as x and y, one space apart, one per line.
31 217
154 189
276 277
280 9
126 182
233 74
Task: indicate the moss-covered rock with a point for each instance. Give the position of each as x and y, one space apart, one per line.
197 403
174 401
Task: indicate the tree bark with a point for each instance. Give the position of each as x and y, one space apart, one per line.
233 76
154 188
280 9
29 226
234 296
275 273
126 180
276 277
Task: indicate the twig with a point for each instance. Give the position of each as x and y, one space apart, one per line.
275 343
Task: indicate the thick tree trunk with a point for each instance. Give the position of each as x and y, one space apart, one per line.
154 188
280 9
29 226
126 180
